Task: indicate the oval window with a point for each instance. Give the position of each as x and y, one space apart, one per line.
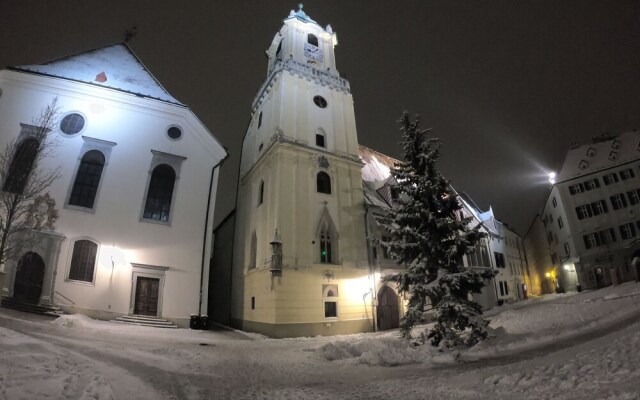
320 101
174 132
72 124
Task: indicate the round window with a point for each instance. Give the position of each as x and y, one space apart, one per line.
72 124
174 132
320 101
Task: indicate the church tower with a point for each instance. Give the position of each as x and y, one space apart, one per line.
300 176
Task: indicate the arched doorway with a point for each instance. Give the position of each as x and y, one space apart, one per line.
388 312
29 278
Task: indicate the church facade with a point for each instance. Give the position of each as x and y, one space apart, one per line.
302 264
135 195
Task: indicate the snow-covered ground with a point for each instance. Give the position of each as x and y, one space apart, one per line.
572 346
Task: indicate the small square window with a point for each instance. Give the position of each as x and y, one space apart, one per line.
330 309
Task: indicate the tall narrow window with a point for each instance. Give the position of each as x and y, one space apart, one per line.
325 248
21 165
159 195
312 39
320 140
83 261
254 250
323 183
260 120
87 180
261 193
279 50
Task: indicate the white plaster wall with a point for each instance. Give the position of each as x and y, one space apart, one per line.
137 126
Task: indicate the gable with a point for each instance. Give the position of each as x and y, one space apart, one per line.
114 67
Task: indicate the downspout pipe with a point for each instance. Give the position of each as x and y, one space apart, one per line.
206 228
374 310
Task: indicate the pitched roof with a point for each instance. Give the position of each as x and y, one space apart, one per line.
115 67
593 157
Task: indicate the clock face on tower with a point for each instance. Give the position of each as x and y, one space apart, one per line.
312 52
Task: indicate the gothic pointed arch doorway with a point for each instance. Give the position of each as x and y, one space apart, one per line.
29 278
388 311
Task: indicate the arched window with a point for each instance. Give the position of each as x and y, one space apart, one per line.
323 183
87 180
83 261
312 39
254 250
159 194
21 166
325 247
261 193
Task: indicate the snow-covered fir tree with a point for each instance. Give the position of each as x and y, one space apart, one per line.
428 238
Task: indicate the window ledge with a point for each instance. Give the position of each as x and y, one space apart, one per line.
83 283
155 221
80 208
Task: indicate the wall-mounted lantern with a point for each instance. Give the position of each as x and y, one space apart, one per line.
276 256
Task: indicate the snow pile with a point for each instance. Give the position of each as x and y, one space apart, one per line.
385 351
74 321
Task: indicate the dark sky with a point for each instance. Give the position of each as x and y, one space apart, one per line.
506 85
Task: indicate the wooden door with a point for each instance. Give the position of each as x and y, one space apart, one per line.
147 296
29 278
388 312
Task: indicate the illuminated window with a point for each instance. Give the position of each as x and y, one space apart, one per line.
87 180
72 124
312 39
21 165
160 193
83 261
323 183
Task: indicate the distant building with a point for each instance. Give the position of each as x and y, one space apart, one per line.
591 218
136 195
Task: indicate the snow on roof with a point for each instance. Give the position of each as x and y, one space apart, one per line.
594 157
114 67
376 165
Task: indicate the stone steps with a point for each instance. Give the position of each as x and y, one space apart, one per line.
15 304
143 320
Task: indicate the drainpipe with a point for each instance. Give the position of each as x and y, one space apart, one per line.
374 310
206 228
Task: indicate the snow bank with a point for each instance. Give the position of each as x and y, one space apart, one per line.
513 328
74 321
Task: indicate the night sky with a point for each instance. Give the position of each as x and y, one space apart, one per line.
507 85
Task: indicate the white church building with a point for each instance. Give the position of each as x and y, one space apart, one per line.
136 193
295 253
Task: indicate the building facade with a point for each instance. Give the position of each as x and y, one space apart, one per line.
136 193
591 216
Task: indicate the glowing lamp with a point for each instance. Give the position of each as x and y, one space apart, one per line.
548 274
552 178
